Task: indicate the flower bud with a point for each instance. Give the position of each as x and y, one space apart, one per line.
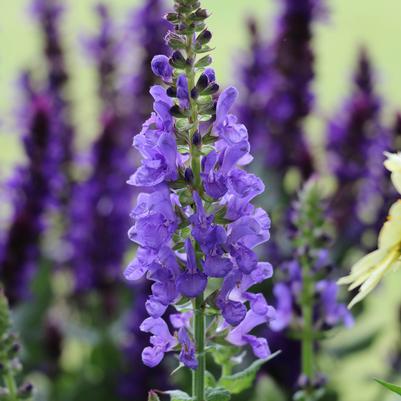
171 91
204 37
25 391
202 83
175 111
211 89
194 93
177 60
172 17
197 139
189 175
200 15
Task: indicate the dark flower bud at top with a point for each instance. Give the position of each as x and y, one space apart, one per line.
204 37
197 139
171 92
200 15
189 175
177 60
203 82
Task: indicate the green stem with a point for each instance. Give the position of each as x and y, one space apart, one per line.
198 379
308 357
199 330
11 386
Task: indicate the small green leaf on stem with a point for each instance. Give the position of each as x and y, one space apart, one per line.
217 394
390 386
241 381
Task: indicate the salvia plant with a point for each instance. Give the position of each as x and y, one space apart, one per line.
48 14
362 191
307 303
195 226
30 185
11 387
278 88
100 203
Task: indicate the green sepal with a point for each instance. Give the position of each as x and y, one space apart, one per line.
178 395
302 395
172 17
206 149
392 387
217 394
243 380
204 62
178 184
202 49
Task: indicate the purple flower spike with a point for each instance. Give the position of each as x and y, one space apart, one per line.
162 68
195 219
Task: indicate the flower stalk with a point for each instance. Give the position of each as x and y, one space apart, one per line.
198 390
308 357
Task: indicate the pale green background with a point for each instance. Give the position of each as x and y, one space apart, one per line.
374 23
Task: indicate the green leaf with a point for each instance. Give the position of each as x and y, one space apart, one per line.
217 394
389 386
177 395
240 381
210 380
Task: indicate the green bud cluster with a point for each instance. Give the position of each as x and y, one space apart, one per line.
10 366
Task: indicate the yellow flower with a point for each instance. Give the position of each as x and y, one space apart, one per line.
393 164
369 271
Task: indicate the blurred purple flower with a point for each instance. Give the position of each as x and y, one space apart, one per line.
31 185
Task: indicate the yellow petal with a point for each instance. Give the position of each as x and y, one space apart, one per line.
390 234
393 162
371 279
396 178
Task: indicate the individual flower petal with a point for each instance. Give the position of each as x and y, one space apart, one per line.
183 92
188 353
191 284
217 266
161 67
224 104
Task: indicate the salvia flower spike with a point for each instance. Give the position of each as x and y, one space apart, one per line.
21 251
306 297
195 224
